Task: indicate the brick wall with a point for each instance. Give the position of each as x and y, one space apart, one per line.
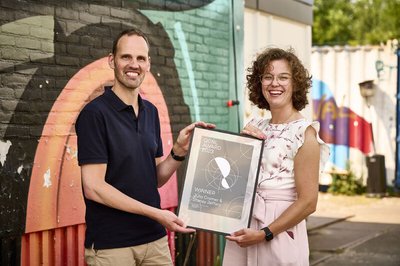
44 44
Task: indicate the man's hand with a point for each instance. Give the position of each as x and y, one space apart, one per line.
247 237
170 221
165 168
182 143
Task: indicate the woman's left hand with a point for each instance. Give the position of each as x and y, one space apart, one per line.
253 131
247 237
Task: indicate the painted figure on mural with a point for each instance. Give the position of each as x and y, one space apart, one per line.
293 156
119 151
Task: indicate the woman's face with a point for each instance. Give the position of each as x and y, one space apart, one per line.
276 83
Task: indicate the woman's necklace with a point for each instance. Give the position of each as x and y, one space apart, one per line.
286 120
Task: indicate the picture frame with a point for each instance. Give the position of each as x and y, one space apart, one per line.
220 180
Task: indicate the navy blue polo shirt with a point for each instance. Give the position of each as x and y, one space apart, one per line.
109 132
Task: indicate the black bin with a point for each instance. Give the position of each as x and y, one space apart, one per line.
376 182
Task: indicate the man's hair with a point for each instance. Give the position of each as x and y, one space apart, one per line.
129 32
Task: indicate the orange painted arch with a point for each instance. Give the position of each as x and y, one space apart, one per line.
55 194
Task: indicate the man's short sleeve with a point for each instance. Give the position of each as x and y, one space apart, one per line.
90 130
159 151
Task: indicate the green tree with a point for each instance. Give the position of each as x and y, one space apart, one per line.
376 21
355 22
332 22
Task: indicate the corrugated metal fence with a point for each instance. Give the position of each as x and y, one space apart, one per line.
337 72
59 246
62 246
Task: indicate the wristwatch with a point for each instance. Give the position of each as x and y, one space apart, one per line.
268 234
176 157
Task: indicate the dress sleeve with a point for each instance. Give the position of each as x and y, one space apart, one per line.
299 141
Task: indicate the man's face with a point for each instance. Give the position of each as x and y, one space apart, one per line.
130 62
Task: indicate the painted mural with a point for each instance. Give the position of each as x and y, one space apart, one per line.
341 127
53 61
354 125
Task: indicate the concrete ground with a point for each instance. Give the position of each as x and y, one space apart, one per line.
355 230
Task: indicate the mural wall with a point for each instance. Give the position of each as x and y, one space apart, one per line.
353 125
53 61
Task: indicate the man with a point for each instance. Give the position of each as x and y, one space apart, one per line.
119 151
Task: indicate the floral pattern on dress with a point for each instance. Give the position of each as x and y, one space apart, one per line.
280 148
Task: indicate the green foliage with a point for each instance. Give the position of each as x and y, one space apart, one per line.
355 22
346 183
332 22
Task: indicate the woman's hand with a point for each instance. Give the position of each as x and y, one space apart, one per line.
253 131
247 237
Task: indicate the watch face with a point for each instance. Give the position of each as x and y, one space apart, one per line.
268 234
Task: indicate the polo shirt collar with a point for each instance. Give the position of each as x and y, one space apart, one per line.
117 103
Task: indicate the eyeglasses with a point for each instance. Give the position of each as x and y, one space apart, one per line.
282 80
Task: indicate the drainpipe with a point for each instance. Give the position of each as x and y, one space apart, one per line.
397 179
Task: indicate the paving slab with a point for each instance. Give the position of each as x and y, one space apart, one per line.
383 250
352 231
317 222
336 237
386 243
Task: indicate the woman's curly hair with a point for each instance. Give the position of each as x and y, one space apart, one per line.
301 79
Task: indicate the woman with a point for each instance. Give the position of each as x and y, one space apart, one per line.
293 156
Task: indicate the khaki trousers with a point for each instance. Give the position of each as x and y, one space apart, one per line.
155 253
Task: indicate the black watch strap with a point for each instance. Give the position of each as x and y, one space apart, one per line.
268 234
176 157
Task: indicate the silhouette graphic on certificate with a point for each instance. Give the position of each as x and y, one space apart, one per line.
221 177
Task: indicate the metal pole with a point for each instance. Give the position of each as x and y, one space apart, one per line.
397 179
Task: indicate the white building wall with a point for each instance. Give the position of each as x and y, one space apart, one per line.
262 30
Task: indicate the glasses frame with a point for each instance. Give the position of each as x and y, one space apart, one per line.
278 78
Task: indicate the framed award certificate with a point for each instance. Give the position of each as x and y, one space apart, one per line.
220 180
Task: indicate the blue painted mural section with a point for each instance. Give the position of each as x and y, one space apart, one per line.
323 113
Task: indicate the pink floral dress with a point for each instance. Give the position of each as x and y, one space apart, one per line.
276 191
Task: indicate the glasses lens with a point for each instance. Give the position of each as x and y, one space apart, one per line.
267 80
